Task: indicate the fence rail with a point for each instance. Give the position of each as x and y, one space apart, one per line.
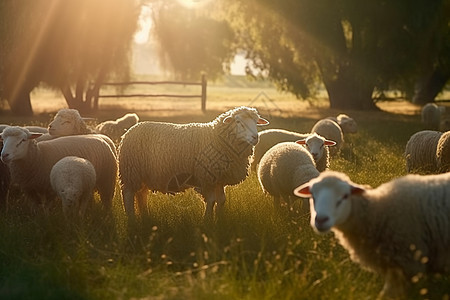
202 95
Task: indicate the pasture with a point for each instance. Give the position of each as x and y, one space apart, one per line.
253 252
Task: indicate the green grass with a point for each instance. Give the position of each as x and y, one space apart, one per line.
251 253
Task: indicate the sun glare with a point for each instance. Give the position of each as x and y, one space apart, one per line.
145 24
193 3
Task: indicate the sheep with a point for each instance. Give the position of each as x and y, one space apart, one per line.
420 152
170 158
443 153
284 167
115 129
30 162
400 229
347 124
66 122
73 180
38 129
316 144
331 131
431 116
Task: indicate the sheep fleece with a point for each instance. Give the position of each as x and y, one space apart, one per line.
155 153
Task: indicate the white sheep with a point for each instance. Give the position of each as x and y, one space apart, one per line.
347 124
400 229
115 129
66 122
284 167
420 152
30 162
431 115
317 145
31 128
331 131
73 180
170 158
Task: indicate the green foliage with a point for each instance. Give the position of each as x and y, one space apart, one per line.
253 252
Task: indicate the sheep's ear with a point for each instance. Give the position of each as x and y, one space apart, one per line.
357 190
87 119
262 122
34 135
301 142
303 191
329 143
228 120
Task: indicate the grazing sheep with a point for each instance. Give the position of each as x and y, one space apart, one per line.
400 229
115 129
30 162
317 145
347 124
284 167
331 131
170 158
73 180
420 152
431 115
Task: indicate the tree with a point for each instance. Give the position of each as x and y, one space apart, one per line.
65 43
352 46
190 41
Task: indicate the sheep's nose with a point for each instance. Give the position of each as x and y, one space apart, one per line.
320 220
5 157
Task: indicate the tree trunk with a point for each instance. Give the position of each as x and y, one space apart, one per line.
349 91
21 104
429 86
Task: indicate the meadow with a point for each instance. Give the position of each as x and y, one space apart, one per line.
252 252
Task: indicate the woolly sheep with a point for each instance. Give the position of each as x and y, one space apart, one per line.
170 158
431 115
400 229
115 129
331 131
30 162
347 124
37 129
284 167
73 180
420 152
316 144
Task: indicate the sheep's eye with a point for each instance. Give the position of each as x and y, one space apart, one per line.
341 200
65 122
18 144
321 146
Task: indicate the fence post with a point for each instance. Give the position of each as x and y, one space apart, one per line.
203 92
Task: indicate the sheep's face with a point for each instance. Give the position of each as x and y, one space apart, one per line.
329 201
315 144
347 124
63 125
246 127
15 143
70 200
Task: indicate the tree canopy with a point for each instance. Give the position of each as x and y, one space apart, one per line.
64 43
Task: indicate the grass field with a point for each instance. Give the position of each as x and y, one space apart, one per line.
253 252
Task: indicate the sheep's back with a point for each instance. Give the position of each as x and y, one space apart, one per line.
420 152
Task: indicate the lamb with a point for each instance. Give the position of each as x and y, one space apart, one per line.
431 116
30 162
73 180
400 229
420 152
347 124
331 131
315 144
170 158
284 167
115 129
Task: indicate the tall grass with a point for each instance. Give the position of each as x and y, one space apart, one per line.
252 252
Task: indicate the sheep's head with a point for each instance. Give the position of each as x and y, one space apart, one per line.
16 141
245 121
329 199
315 144
347 124
67 122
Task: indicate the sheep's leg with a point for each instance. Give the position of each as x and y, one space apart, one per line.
208 194
220 200
394 286
128 201
141 199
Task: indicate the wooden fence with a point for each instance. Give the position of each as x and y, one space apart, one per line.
202 95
